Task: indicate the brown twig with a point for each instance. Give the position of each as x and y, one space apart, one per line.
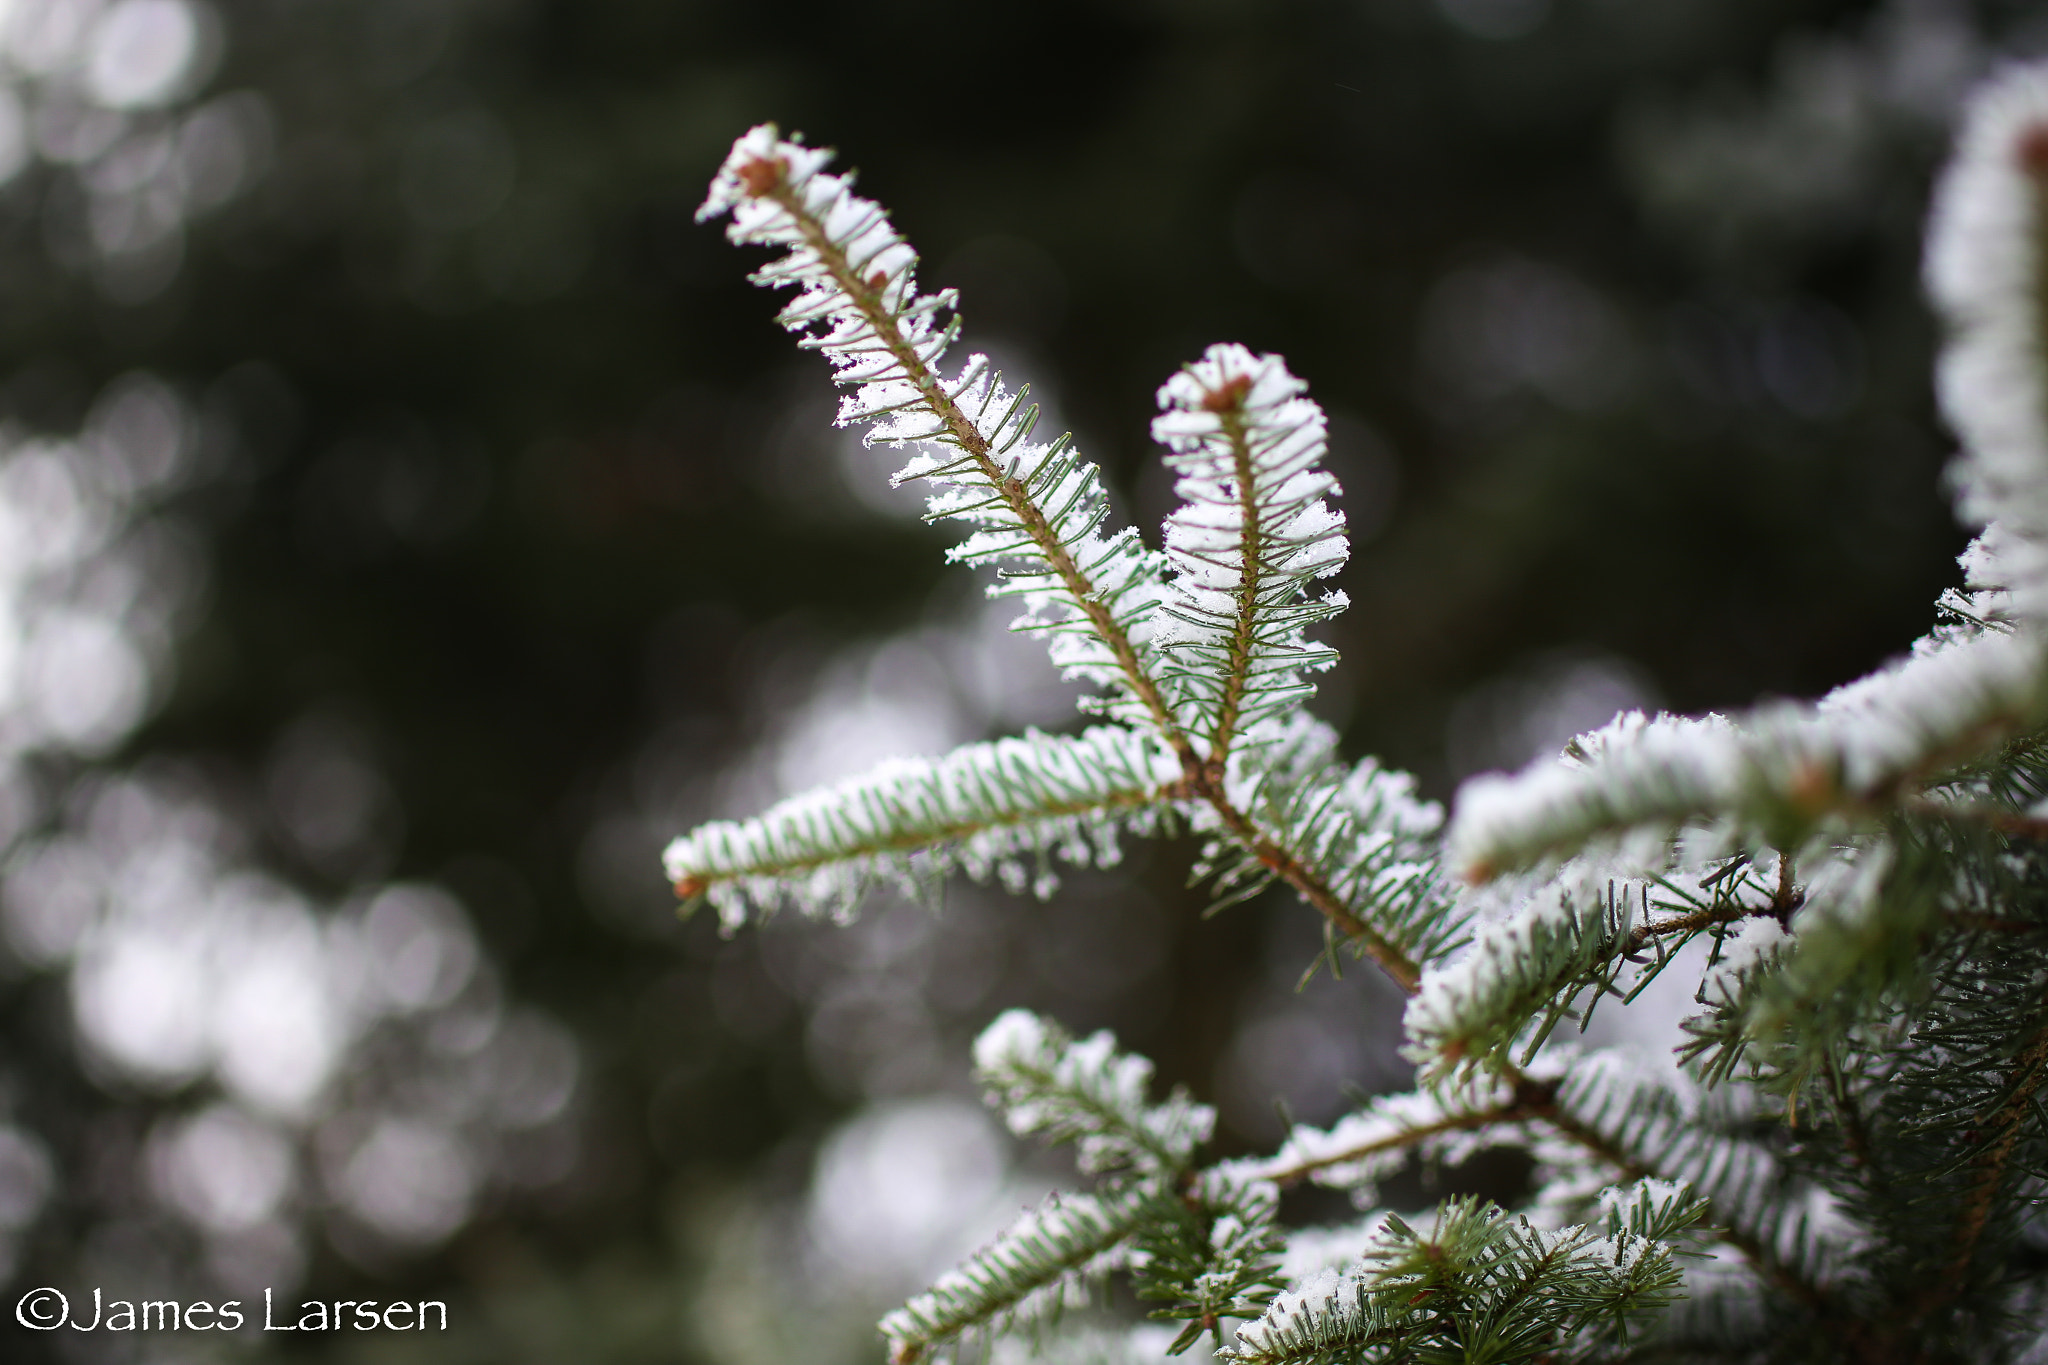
1456 1123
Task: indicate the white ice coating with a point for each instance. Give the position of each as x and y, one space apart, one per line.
1940 704
1252 532
1370 1144
1049 1083
1036 1268
1002 808
1985 272
1753 945
969 434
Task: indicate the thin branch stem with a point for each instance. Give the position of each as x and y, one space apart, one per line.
1229 405
1456 1123
1855 1134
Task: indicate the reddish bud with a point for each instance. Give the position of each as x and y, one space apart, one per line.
761 175
1229 397
2030 150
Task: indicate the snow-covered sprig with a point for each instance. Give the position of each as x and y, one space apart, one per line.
1252 532
1212 1255
1036 507
1571 938
1003 808
1986 272
1644 1123
1087 1092
1520 975
1370 839
1773 778
1483 1285
1031 1272
1374 1142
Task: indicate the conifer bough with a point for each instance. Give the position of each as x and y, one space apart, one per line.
1845 1162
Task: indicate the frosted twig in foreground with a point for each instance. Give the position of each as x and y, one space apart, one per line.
983 808
1038 509
1253 531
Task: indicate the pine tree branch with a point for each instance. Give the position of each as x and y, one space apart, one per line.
1087 1092
960 430
982 808
768 178
691 885
1030 1269
1782 771
2005 1124
1541 1100
1311 887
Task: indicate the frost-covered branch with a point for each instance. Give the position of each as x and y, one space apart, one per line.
1037 508
1779 773
1252 533
1088 1093
984 808
1034 1269
1482 1285
1366 1146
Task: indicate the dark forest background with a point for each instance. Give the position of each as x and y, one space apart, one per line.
510 537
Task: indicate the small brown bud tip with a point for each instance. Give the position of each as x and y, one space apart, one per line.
906 1353
1812 788
878 280
1229 397
689 888
761 175
2030 149
1479 873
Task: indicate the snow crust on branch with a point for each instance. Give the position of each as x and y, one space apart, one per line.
1087 1092
1370 1144
1036 1268
1036 507
1253 531
1986 274
999 809
1361 825
1777 772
